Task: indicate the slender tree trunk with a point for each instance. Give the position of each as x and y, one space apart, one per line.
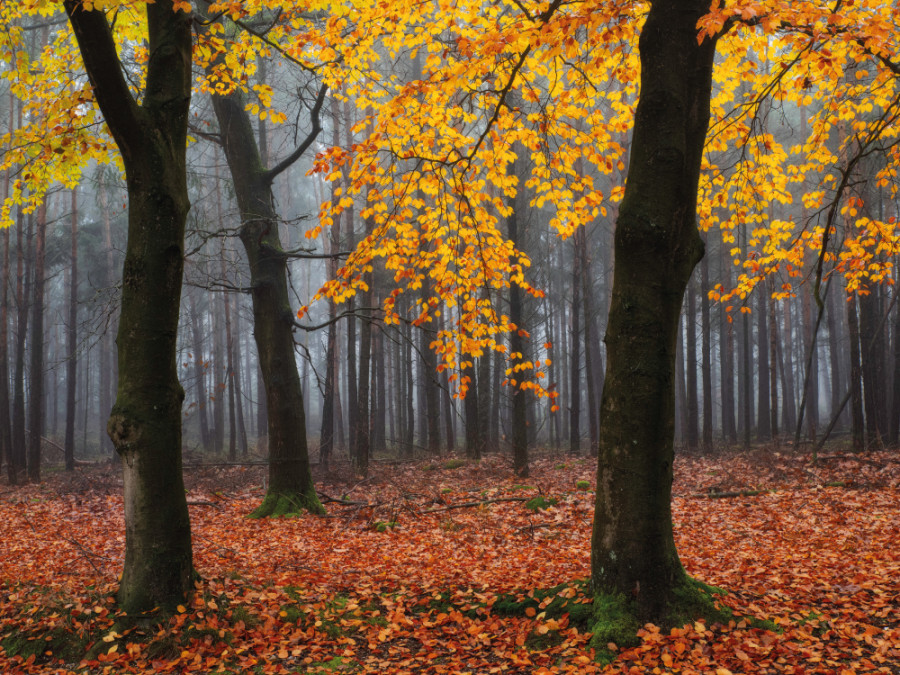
871 349
575 361
693 409
633 555
593 407
235 347
811 409
471 409
229 365
773 361
107 346
763 415
789 394
381 392
517 348
6 451
199 374
726 356
145 424
36 392
832 319
706 357
23 293
362 437
894 425
856 398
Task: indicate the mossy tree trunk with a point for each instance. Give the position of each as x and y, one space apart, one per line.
145 423
291 487
657 245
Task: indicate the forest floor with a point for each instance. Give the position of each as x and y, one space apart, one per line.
432 567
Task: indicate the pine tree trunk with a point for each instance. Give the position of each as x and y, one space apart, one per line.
23 293
517 349
706 358
726 357
693 409
575 361
633 557
199 375
763 416
856 398
36 368
5 426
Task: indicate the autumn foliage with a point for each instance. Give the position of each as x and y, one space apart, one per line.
399 580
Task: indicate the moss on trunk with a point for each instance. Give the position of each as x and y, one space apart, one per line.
617 618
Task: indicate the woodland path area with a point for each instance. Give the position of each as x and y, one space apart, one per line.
432 567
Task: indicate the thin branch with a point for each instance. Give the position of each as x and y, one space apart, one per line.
271 174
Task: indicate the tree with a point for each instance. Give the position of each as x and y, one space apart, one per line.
634 564
290 481
145 422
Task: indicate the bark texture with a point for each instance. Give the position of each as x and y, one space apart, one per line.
633 555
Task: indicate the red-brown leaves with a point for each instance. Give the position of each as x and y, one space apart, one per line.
334 595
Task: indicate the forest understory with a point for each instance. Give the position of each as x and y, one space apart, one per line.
444 566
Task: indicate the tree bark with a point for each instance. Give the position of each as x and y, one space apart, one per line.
145 423
657 245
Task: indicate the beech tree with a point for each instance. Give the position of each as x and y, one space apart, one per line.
290 486
145 422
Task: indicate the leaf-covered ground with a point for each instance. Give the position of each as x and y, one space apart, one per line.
409 574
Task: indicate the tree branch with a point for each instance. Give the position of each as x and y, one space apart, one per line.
272 173
101 62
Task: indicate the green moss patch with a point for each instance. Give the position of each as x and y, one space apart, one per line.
278 504
540 502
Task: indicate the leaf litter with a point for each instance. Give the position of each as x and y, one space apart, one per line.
408 572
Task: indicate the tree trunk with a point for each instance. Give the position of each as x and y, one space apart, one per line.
871 346
633 557
763 415
575 361
726 356
894 426
199 375
23 294
590 356
36 392
145 423
6 452
706 358
235 347
517 349
690 364
290 486
856 398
